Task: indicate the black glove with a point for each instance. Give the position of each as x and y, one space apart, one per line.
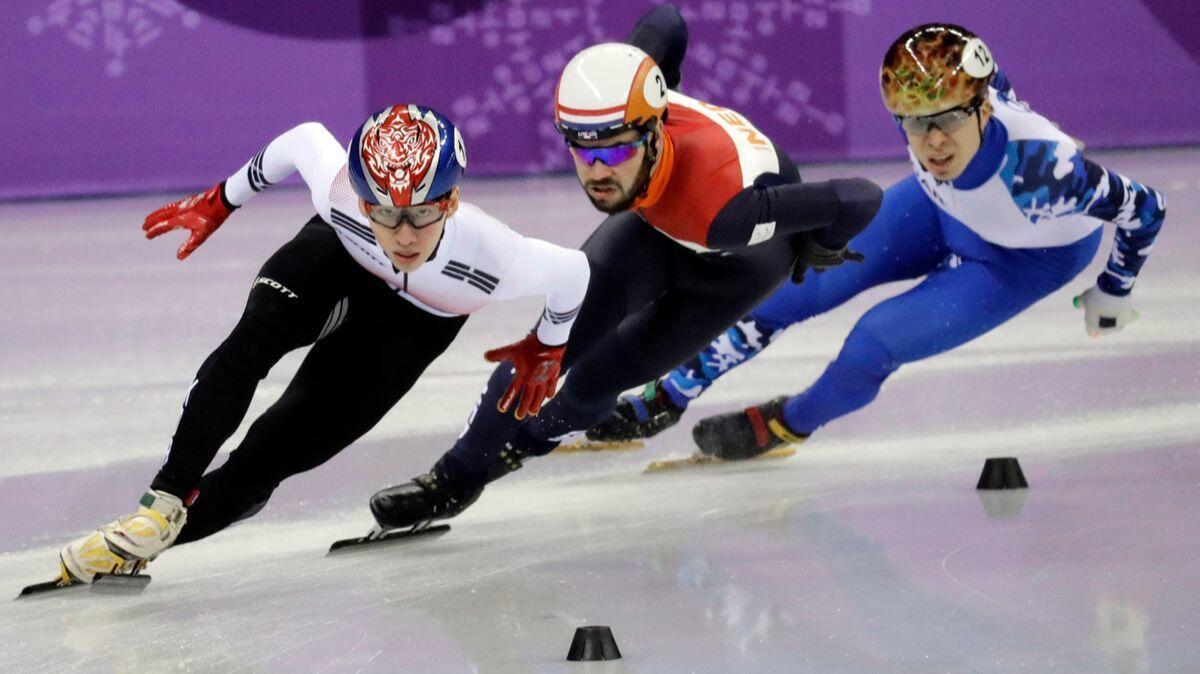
812 255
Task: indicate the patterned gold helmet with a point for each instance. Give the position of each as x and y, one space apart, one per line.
933 68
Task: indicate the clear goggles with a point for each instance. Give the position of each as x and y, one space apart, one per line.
418 216
948 121
609 155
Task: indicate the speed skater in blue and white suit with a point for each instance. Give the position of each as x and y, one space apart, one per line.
1002 209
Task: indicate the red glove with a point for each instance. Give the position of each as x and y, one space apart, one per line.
200 213
536 377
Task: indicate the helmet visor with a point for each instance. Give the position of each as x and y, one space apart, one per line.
609 155
947 121
418 216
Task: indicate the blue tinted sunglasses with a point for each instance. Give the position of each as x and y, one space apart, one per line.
609 155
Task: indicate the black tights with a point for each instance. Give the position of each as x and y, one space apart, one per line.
369 348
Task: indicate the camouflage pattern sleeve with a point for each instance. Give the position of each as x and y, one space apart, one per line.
1051 179
1138 211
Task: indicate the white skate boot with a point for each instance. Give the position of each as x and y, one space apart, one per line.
127 544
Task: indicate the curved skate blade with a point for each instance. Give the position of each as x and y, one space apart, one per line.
388 538
699 459
102 584
49 586
584 445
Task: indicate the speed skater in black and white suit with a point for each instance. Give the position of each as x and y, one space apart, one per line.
391 264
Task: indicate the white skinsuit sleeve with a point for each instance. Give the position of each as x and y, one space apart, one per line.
560 275
308 148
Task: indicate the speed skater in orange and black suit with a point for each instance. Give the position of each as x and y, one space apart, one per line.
707 217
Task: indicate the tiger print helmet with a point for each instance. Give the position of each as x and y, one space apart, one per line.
405 155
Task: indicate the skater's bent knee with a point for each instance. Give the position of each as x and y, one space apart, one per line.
866 355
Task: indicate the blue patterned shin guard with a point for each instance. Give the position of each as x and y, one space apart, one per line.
741 342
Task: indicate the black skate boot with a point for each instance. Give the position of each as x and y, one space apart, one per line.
444 492
745 434
428 497
637 417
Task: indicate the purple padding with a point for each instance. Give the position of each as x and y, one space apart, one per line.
126 96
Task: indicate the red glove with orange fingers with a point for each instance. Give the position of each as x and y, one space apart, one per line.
200 213
536 378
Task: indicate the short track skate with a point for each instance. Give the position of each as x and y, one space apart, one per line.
103 583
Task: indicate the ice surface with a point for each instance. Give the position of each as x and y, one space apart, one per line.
870 551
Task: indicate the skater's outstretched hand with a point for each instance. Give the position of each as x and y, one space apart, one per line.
1103 313
536 376
201 213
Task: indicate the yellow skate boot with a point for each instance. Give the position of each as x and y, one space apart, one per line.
125 546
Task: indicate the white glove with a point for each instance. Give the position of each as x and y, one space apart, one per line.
1103 313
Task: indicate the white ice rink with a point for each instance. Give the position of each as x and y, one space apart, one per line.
869 551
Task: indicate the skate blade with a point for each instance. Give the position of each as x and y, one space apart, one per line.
699 459
49 586
585 445
388 538
105 583
102 584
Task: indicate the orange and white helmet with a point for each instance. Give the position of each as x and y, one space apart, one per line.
608 89
934 67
